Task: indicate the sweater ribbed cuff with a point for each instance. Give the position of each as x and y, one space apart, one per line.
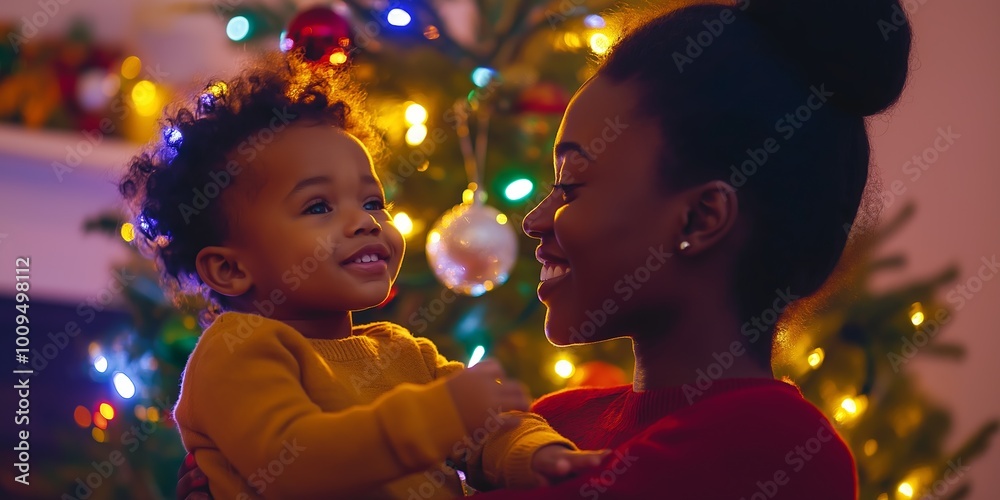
517 467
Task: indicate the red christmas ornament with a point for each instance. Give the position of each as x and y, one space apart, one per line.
392 295
597 374
320 32
543 97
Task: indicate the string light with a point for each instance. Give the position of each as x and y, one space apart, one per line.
144 97
81 415
501 219
593 21
238 28
101 364
403 222
564 368
131 67
477 355
599 43
100 421
916 314
398 17
905 489
416 134
572 40
850 407
481 76
128 231
124 385
98 434
284 43
815 358
431 33
518 189
338 57
107 411
415 114
153 414
871 446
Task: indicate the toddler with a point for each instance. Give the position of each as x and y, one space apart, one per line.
264 198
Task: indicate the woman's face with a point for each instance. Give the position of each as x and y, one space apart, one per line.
607 232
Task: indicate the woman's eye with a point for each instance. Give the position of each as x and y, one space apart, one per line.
320 207
375 205
567 189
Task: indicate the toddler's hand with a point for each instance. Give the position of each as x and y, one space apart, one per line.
483 388
556 463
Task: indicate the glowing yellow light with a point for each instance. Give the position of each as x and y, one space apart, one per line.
128 231
850 408
98 434
107 411
153 414
81 416
599 43
338 57
883 496
501 219
468 195
218 89
144 97
815 357
871 446
905 489
140 412
403 223
572 40
488 285
850 405
916 314
416 134
415 114
564 368
131 67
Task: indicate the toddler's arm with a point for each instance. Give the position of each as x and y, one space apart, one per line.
499 452
248 401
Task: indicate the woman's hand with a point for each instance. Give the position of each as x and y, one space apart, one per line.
556 463
191 481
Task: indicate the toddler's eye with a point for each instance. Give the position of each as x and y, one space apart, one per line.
320 207
374 205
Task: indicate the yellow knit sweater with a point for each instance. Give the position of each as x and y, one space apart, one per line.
270 413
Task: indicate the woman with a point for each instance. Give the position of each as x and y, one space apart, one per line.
706 177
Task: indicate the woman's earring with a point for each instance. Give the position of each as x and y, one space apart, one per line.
684 245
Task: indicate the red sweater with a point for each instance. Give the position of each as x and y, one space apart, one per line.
742 439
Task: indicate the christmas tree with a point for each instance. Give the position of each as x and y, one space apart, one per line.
470 94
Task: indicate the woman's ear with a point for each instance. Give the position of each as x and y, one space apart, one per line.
220 269
710 216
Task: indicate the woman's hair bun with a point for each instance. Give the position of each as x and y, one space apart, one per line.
858 49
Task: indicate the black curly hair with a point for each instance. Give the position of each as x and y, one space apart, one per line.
176 187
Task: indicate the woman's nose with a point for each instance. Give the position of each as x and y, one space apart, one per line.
538 222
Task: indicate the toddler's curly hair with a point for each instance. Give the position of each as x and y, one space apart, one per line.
174 186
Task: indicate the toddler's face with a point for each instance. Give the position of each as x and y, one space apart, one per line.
317 228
